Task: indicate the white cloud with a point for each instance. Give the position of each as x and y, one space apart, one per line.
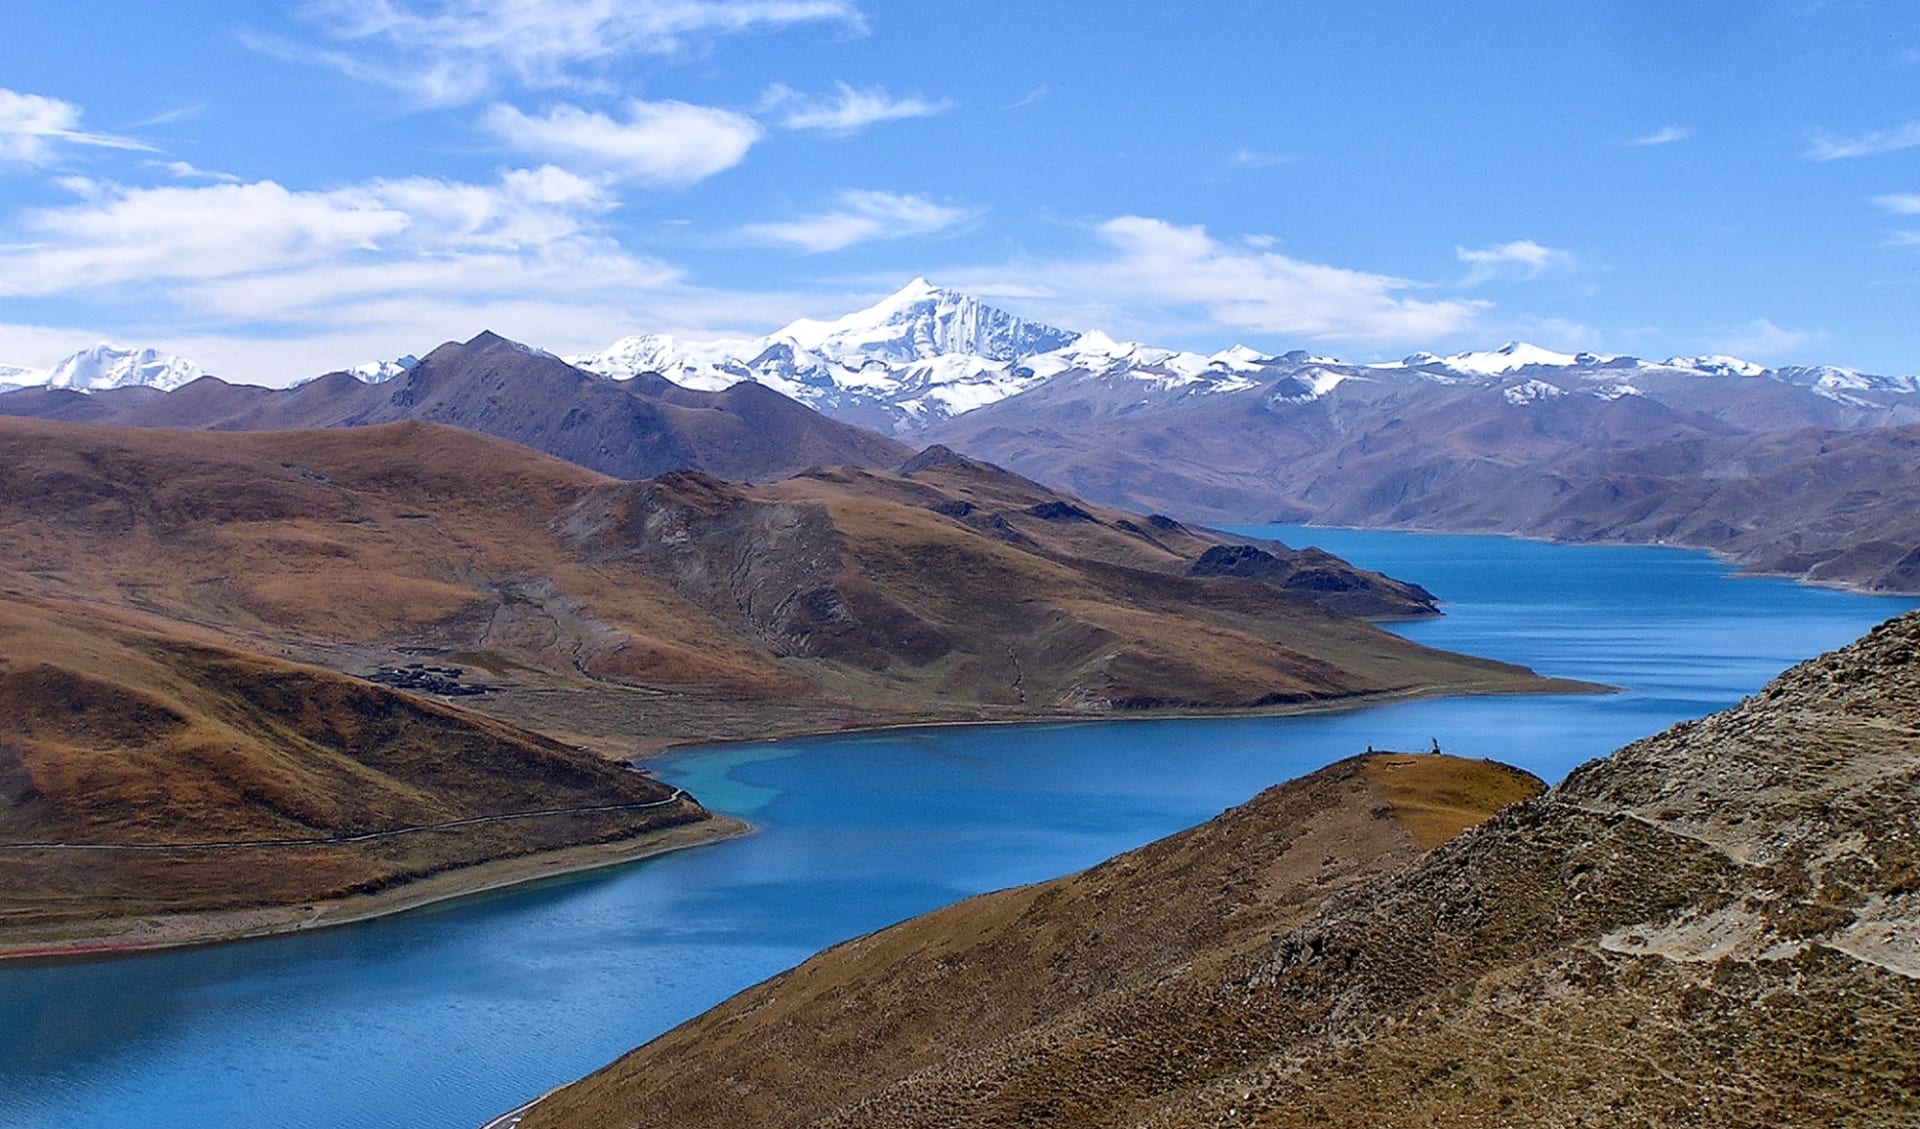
1522 255
848 110
243 260
1761 339
32 126
862 217
446 52
1162 278
657 143
1872 144
1665 135
1900 203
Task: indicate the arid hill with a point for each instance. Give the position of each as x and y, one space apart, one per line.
169 774
683 607
1715 926
629 429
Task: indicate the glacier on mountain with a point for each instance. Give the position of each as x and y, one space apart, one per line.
919 356
103 366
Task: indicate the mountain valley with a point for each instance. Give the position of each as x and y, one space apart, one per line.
273 615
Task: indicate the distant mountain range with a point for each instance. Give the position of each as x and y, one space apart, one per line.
926 354
1714 452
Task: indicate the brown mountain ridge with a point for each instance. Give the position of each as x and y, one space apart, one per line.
1724 464
628 429
683 607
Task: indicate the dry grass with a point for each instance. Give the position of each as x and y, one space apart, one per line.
1051 979
840 597
117 728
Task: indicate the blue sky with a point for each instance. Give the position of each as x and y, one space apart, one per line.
276 193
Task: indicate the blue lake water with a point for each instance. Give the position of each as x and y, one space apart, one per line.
446 1016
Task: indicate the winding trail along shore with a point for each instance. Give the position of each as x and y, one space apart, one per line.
165 931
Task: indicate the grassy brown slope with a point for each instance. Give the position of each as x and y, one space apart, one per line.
1041 972
683 607
120 730
1712 927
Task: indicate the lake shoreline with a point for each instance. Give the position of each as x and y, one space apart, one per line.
157 932
1538 686
1739 569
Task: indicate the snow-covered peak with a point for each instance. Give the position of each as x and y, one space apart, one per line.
379 372
1511 357
921 321
1716 364
103 366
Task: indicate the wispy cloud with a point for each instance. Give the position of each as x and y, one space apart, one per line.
1900 203
662 144
862 216
169 117
446 52
1160 277
1256 159
1522 256
1762 339
33 127
1029 98
847 110
1825 147
1665 135
183 170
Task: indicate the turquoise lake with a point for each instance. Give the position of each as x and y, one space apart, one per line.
447 1016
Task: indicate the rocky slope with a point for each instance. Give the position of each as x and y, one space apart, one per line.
1716 926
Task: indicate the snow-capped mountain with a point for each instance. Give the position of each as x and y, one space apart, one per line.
915 357
921 321
379 372
13 376
103 366
927 354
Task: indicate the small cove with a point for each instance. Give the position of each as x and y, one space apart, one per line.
446 1016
